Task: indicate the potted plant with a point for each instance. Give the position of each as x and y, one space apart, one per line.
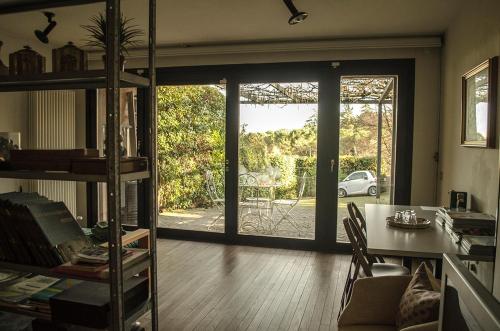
128 35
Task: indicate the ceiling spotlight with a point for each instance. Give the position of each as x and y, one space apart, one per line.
297 16
42 35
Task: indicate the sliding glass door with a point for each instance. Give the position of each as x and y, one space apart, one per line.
191 156
366 149
277 159
273 153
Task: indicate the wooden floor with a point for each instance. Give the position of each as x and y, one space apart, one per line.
204 286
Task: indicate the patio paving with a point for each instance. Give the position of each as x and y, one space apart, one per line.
201 219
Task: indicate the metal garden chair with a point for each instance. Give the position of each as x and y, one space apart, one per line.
286 206
218 202
254 207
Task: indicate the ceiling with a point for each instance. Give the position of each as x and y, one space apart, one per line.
188 22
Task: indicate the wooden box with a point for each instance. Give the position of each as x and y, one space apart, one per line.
69 58
26 62
48 159
97 166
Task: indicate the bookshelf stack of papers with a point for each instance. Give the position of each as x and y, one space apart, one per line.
479 245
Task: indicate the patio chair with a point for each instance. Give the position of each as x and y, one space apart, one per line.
356 215
253 206
286 206
362 264
217 201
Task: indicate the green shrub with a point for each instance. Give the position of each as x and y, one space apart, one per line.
307 165
287 179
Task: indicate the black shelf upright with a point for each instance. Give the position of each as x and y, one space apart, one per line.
113 80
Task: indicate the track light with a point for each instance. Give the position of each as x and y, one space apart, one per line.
297 17
42 35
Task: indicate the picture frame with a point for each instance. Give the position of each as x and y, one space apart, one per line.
479 105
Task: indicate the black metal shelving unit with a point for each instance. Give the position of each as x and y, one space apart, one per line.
112 78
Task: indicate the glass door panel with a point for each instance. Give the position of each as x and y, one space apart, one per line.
367 113
277 159
191 157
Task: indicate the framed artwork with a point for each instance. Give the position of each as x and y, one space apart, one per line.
479 104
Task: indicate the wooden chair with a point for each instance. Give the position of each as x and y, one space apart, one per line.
356 215
362 264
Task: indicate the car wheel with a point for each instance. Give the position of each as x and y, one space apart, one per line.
342 193
372 191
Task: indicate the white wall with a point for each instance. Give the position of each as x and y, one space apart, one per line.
472 37
427 95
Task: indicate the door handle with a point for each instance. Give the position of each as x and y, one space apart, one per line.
332 165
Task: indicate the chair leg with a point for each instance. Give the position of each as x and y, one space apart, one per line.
214 222
287 216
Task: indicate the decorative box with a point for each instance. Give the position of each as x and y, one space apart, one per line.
69 58
26 62
97 166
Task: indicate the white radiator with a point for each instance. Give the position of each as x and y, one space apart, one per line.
51 125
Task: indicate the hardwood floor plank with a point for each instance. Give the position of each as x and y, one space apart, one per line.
208 286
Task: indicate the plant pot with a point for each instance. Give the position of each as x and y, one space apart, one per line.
122 62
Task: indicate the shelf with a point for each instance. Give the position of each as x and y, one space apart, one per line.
68 176
90 79
137 313
128 272
15 6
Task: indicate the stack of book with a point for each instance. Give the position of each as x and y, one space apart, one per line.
469 229
479 245
97 269
37 231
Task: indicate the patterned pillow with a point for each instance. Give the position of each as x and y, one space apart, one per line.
420 303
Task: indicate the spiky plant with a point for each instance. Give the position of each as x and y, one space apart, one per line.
128 33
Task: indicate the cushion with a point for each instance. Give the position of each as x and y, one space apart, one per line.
420 302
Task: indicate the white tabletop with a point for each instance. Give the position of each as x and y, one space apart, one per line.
383 239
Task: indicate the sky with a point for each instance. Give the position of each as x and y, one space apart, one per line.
262 118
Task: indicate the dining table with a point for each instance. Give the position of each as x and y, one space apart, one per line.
428 243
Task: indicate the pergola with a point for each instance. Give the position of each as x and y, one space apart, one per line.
377 90
354 90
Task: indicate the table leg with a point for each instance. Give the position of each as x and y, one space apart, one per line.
438 269
407 261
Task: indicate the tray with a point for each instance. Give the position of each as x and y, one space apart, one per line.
47 159
422 223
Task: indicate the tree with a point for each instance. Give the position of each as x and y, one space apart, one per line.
191 139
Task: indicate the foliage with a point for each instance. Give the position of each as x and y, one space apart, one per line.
191 138
288 181
350 163
98 33
307 165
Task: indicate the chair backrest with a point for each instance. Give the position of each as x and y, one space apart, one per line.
248 187
356 215
358 246
302 185
210 185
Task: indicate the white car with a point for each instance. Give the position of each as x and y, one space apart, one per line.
359 182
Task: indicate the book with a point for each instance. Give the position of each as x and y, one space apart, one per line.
25 288
101 271
479 245
94 255
58 287
37 231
